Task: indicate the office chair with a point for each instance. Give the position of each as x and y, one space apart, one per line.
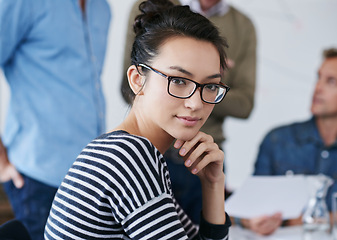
13 230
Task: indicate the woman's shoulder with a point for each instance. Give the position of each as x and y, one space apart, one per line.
120 141
123 159
119 135
118 147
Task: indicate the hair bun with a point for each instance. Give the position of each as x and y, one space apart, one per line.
150 10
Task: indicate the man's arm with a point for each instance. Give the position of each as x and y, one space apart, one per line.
15 23
241 78
263 163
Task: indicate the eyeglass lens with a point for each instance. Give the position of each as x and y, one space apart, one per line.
184 88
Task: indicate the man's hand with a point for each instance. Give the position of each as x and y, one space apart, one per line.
264 225
7 170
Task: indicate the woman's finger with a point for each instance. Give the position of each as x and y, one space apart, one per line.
187 146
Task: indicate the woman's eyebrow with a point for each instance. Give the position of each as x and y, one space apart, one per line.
180 69
184 71
217 75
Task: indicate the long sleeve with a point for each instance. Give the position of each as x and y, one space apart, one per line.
264 158
240 34
16 18
119 188
241 37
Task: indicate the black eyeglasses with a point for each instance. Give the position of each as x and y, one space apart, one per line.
183 88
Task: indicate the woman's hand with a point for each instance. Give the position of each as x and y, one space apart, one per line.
202 157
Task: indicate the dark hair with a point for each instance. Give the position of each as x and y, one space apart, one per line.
160 20
330 53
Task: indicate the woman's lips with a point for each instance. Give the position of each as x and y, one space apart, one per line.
189 121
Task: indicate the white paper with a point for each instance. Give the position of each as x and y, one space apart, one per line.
266 195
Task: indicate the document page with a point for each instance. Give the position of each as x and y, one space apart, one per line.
266 195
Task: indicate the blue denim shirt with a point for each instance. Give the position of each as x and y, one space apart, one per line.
298 148
52 56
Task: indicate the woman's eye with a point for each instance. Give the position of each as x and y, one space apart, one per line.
178 81
211 87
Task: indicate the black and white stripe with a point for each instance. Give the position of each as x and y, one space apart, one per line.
118 188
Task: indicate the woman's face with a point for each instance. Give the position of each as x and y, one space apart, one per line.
181 57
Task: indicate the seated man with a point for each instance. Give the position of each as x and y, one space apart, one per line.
308 147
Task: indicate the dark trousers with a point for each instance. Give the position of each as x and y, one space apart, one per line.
31 204
186 186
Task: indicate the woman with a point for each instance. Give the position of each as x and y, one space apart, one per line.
119 186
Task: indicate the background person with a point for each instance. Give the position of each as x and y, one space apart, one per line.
241 77
119 186
308 147
51 53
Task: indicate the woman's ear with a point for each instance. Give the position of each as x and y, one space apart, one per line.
136 80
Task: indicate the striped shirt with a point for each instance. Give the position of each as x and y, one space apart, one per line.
119 188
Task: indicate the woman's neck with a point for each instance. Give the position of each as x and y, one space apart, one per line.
135 125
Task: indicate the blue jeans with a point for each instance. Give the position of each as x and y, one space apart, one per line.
31 204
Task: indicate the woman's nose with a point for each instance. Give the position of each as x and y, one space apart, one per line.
194 102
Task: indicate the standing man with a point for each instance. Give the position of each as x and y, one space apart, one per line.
51 53
240 34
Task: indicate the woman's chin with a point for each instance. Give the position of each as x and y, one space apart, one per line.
185 136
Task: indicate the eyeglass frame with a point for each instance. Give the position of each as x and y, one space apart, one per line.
169 78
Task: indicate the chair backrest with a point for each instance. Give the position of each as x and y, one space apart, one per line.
14 230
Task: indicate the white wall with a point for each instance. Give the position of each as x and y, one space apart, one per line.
291 36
